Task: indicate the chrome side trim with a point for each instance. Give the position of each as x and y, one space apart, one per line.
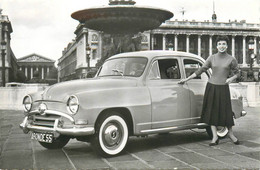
168 121
174 128
54 113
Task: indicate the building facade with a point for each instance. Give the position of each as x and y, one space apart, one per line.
34 62
199 38
188 36
8 61
74 64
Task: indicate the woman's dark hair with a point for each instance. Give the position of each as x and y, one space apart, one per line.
222 38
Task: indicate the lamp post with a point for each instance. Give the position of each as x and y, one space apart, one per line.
3 53
251 46
88 51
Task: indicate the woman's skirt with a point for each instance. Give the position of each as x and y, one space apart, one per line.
217 109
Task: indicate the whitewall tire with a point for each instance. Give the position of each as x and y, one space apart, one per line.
112 135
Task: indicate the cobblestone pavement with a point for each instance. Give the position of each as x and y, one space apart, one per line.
178 150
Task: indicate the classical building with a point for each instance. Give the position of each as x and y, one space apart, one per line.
35 62
189 36
199 38
73 64
8 62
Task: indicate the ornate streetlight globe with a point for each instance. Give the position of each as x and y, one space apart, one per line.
251 44
122 17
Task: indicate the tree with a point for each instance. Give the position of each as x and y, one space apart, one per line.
52 76
20 76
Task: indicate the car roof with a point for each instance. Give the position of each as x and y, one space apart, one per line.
154 53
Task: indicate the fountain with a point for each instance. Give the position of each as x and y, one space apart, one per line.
121 20
122 17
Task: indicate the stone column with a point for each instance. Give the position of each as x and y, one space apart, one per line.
255 52
48 69
210 45
31 72
233 46
199 45
26 72
244 51
164 42
176 42
152 41
100 46
188 43
42 72
255 46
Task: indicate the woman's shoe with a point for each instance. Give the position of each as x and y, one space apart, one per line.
237 142
215 143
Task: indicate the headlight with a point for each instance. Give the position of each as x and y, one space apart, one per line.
27 103
73 104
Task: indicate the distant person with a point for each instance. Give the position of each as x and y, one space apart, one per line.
217 109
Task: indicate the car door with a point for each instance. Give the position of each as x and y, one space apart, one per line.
197 86
170 100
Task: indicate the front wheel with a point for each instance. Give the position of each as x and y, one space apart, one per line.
57 143
111 135
221 131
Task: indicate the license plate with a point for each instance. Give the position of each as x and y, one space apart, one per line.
42 137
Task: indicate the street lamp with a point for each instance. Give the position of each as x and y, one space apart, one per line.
3 53
88 50
170 46
251 47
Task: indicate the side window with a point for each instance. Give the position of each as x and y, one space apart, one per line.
154 72
169 69
191 66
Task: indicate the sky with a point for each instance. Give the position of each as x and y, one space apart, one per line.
45 27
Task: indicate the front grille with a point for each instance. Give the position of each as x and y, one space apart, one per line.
45 121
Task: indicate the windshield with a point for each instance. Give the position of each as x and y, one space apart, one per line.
128 66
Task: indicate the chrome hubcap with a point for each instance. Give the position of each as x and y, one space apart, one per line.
112 135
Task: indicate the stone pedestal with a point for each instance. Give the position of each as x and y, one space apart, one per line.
252 93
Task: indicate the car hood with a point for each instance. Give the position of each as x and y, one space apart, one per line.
61 91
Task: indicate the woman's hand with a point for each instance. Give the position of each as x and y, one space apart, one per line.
229 80
182 81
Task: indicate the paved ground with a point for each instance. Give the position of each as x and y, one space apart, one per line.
178 150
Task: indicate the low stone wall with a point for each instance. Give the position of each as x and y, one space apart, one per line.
11 97
250 92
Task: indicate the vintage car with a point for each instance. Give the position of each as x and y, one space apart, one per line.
132 94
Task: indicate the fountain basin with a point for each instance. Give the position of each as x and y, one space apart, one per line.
121 19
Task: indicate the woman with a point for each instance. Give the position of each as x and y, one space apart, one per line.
216 110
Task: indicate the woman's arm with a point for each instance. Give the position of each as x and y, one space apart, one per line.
235 70
182 81
202 69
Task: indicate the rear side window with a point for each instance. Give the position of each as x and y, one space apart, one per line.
169 69
191 66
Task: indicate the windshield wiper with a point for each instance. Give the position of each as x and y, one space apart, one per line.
118 71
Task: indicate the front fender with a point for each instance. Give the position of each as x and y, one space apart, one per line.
135 99
237 103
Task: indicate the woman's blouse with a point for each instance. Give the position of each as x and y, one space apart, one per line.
222 65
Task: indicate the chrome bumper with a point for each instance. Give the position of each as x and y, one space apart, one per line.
71 131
